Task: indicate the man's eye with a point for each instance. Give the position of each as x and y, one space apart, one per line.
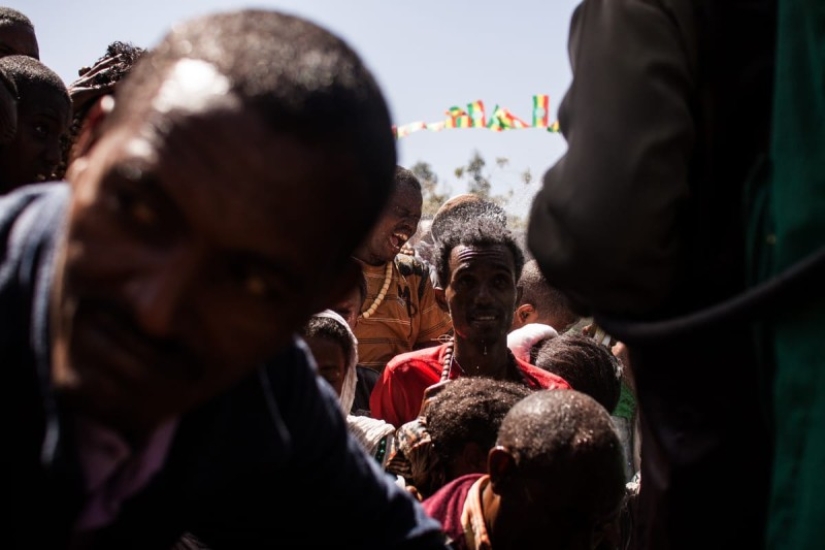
462 283
136 209
253 281
41 130
256 286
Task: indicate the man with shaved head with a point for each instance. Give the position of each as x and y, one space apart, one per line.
154 383
555 481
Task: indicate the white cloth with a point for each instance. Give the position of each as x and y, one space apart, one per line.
522 339
368 431
347 396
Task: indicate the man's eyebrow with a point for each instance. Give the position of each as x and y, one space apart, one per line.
146 182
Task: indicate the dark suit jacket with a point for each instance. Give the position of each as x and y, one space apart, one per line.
248 470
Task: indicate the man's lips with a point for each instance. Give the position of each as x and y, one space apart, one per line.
104 339
487 318
397 239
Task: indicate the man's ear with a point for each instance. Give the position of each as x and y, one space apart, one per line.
502 469
88 135
525 313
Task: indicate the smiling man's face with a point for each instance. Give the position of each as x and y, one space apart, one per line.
182 269
481 292
395 227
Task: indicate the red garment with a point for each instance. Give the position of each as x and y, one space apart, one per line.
447 504
398 394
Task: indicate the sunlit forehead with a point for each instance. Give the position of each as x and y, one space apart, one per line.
193 85
139 147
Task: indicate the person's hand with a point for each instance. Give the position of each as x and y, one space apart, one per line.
522 340
429 393
92 83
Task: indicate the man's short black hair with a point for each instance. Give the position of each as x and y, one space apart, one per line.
464 209
10 16
299 78
470 409
546 299
482 231
27 73
585 364
404 176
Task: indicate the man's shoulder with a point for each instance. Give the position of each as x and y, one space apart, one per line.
45 202
411 265
426 355
427 359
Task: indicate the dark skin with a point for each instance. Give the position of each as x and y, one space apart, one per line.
331 361
562 504
395 227
17 39
481 295
34 152
171 284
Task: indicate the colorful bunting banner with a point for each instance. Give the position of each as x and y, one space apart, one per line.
475 116
541 111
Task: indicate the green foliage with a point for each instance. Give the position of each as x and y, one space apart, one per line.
479 180
433 199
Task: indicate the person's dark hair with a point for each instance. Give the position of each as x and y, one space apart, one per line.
104 74
589 367
10 16
329 329
470 409
298 77
8 109
403 176
27 73
94 82
462 209
480 231
546 299
567 433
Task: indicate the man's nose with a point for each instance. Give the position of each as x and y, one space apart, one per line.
483 294
161 294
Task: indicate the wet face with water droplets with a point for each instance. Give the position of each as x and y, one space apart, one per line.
481 292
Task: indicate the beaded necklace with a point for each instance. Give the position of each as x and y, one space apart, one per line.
448 360
381 295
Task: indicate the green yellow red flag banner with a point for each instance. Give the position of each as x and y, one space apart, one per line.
475 116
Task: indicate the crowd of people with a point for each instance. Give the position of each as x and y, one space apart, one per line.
185 370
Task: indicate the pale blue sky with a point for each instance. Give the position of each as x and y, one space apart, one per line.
427 55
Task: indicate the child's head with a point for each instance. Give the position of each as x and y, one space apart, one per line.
463 421
17 36
43 111
541 303
335 349
557 473
587 365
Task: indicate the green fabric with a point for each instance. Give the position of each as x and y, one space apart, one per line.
627 403
797 208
